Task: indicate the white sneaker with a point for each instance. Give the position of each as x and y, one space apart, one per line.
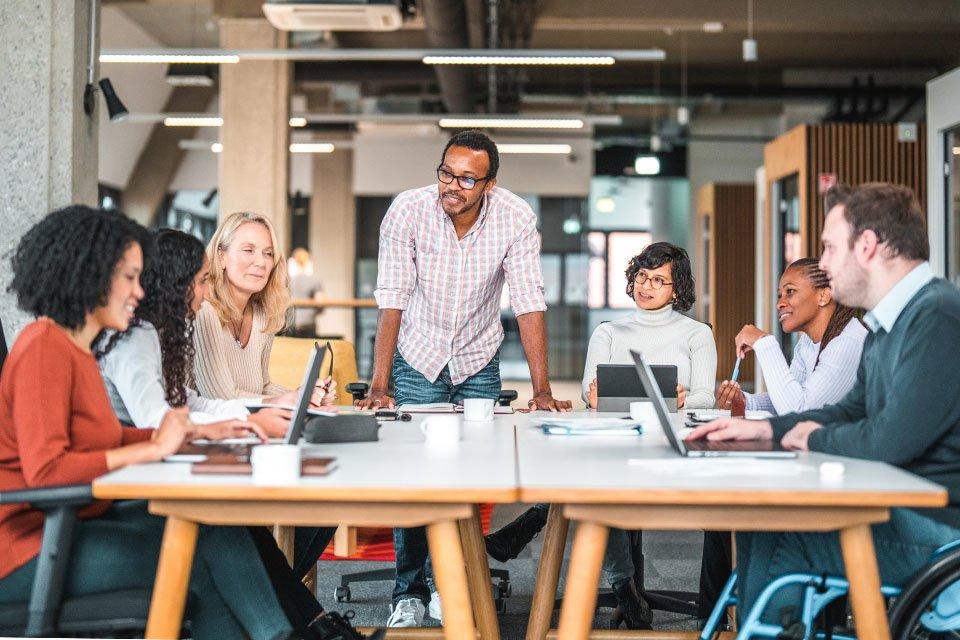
407 613
435 609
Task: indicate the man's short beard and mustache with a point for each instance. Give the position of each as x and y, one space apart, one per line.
466 204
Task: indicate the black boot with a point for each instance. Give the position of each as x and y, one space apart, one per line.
635 609
508 542
332 626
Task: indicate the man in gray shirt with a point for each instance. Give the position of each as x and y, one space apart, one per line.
904 408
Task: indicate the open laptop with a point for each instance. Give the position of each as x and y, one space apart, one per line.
294 429
618 386
703 448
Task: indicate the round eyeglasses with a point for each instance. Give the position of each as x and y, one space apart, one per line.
656 282
465 182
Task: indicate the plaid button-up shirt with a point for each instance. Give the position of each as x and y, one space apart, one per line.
448 288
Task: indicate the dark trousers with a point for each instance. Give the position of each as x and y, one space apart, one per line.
411 387
716 564
241 585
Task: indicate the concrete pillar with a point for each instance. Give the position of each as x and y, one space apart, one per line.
48 145
255 106
333 242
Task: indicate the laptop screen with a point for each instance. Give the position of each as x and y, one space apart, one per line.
310 376
659 404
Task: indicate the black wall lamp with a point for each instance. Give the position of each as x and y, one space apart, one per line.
114 105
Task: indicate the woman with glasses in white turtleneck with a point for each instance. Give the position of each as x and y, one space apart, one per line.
660 281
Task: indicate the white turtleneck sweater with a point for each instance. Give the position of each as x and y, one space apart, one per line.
663 336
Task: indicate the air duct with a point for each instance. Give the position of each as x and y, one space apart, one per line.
445 22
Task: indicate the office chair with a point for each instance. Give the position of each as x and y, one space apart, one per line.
928 606
502 588
114 614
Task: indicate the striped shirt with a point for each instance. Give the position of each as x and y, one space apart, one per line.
800 386
449 288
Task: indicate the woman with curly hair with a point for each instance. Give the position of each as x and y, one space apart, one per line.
146 368
245 308
78 271
660 281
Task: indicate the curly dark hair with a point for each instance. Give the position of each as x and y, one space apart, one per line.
475 140
810 268
168 294
63 266
658 254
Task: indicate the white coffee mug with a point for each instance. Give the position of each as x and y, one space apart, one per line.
478 409
275 464
643 412
442 431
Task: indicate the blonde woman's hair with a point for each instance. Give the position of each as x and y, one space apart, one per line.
273 299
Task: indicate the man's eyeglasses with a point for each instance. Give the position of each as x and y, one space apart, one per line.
656 282
465 182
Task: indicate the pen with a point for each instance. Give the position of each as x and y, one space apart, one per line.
736 370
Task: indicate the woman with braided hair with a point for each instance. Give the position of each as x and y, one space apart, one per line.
825 360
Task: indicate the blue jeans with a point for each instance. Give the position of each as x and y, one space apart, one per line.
411 387
903 545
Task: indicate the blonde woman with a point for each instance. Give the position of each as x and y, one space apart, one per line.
245 308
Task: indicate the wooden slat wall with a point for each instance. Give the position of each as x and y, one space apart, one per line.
732 267
860 153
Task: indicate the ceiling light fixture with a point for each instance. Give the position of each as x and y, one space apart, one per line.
170 58
535 148
532 60
297 121
192 121
311 147
749 44
647 165
511 123
216 147
713 27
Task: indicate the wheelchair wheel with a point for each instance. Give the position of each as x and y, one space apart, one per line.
929 609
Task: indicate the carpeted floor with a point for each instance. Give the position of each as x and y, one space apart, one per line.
672 562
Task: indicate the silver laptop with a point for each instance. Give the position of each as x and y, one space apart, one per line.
703 448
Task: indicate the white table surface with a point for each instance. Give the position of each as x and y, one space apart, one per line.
637 468
483 463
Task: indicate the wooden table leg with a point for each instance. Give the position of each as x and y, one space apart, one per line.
583 577
548 574
860 561
478 577
451 576
173 577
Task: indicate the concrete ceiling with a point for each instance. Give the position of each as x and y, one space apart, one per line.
804 47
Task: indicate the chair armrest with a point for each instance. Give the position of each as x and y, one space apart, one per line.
45 498
358 390
506 397
59 505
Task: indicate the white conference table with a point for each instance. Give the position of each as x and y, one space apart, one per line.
397 482
641 483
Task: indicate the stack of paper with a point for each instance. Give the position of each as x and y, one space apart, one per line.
446 407
587 426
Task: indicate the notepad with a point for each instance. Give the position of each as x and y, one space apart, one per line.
587 426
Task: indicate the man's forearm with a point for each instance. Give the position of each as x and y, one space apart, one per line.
533 337
388 330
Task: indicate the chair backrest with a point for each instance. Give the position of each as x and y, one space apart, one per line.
3 346
289 356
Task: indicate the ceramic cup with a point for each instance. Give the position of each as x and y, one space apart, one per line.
275 464
442 431
478 409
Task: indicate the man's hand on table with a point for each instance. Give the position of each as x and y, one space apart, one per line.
544 401
796 439
733 429
376 399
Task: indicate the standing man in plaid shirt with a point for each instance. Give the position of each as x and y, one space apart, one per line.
446 251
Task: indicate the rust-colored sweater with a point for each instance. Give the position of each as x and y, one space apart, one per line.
56 425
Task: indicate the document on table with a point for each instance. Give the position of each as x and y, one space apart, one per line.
587 426
706 415
719 467
446 407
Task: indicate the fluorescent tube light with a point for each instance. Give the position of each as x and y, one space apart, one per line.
192 121
311 147
170 58
297 121
523 60
511 123
216 147
538 148
647 165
